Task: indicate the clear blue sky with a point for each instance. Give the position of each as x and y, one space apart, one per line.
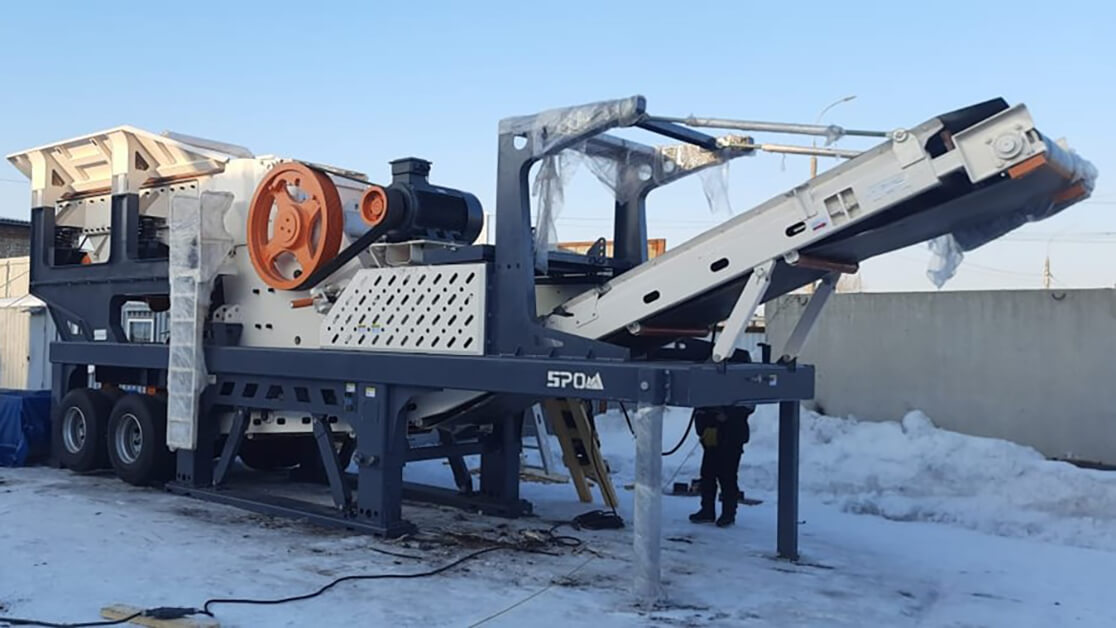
357 84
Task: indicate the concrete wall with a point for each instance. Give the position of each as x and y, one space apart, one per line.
1036 367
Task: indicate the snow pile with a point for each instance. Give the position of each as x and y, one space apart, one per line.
913 471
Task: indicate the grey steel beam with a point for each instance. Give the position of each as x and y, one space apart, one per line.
678 132
323 436
787 523
801 331
691 384
277 505
381 435
824 130
232 446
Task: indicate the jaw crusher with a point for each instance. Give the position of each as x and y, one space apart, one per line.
323 321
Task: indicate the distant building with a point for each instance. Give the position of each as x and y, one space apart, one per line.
655 247
15 238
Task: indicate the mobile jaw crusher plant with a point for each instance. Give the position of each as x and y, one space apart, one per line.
317 317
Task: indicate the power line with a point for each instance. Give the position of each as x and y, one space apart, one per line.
974 266
990 269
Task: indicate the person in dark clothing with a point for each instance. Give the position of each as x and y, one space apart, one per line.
723 431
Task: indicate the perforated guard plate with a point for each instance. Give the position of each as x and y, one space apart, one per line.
412 309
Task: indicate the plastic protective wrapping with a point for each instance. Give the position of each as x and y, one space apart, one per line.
715 184
547 131
555 171
550 128
623 171
199 251
948 251
648 508
552 136
945 257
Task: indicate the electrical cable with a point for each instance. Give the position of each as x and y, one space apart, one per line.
168 613
627 419
532 596
394 554
330 585
17 621
683 463
672 450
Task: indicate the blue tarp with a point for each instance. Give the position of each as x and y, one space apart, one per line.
24 426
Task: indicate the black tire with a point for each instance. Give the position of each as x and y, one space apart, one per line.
136 440
79 429
272 453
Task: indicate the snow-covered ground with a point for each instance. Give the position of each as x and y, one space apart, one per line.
902 524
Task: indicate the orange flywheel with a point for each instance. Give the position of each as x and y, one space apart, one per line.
295 224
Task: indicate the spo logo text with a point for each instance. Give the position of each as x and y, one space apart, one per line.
572 379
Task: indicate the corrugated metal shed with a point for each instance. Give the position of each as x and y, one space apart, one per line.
15 273
25 329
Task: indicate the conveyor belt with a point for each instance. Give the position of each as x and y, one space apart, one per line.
957 174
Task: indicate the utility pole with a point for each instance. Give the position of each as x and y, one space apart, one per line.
1047 276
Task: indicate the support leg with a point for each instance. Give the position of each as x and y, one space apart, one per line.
499 475
787 542
194 467
801 331
746 304
232 446
648 525
323 436
381 452
461 477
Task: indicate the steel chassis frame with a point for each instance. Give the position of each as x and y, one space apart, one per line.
370 391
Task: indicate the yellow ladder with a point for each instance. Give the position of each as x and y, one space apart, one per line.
581 450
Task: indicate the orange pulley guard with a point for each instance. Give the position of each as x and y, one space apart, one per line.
295 224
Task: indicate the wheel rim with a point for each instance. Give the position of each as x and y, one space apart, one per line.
128 438
73 429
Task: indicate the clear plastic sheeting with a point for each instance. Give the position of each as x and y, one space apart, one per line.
199 250
546 131
553 136
625 168
945 257
648 509
947 251
715 184
833 133
546 135
555 172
